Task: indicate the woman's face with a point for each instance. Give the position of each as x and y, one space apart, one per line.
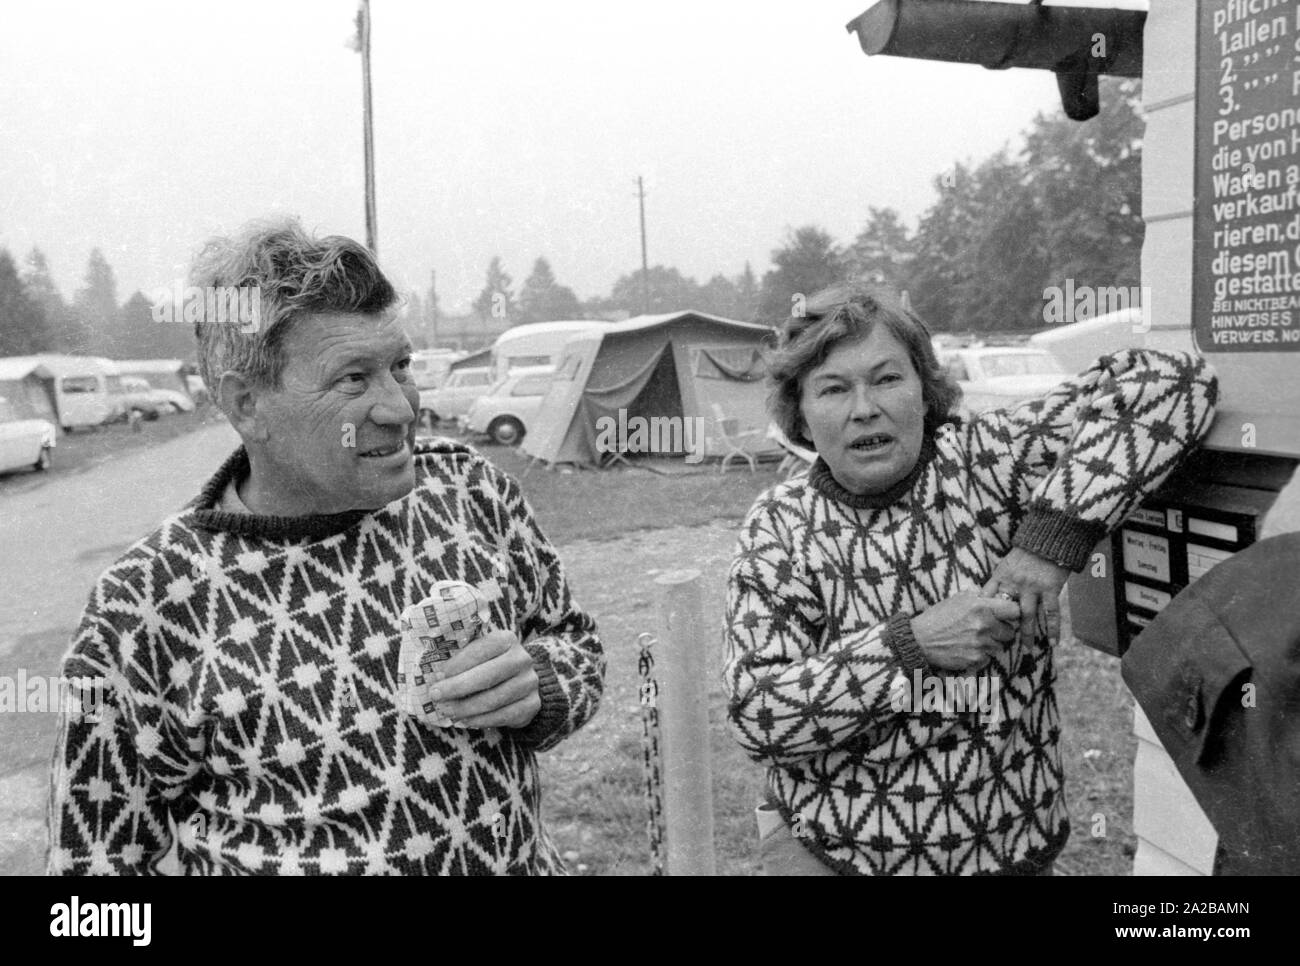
864 412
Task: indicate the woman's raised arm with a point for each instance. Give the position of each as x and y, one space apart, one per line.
1080 459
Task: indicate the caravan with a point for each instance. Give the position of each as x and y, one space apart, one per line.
82 390
538 344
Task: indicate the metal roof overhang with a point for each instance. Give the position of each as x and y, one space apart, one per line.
1002 35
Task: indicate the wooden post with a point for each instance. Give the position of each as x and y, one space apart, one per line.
684 725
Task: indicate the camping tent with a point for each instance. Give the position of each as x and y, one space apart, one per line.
681 369
28 385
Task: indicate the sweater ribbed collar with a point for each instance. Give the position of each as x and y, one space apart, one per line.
821 479
205 514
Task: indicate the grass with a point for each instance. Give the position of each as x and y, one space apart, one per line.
594 505
617 531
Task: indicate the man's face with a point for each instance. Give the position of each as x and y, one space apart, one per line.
337 434
865 412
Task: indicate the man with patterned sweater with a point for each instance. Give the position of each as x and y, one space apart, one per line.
250 645
927 549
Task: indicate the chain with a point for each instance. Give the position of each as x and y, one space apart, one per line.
651 760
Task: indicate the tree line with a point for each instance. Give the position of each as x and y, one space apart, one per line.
1000 234
34 317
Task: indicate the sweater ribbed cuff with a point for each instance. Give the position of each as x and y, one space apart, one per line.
554 711
1058 537
902 642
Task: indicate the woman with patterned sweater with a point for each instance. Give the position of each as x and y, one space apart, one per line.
923 547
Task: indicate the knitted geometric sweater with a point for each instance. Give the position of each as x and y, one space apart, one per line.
823 585
251 672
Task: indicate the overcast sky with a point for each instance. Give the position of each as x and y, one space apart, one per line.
510 128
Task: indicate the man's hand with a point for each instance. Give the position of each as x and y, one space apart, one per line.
490 683
1036 583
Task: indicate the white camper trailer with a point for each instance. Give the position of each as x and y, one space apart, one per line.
539 344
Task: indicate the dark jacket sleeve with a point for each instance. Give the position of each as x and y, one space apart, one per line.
1218 675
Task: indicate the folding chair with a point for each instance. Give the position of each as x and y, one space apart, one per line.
796 459
733 439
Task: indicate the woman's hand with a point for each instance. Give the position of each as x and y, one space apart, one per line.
1036 583
964 632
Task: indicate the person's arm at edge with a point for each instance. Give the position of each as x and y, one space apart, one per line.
105 815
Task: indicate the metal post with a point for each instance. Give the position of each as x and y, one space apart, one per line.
363 31
645 271
684 723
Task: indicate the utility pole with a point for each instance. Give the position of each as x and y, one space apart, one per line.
645 271
363 44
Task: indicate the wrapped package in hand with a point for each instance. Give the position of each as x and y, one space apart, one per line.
433 630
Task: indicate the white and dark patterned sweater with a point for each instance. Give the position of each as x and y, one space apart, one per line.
251 665
823 584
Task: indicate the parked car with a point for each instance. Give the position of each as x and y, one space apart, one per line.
996 377
24 442
145 397
510 406
166 381
132 397
429 367
454 397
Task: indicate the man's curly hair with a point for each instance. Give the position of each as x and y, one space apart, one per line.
295 274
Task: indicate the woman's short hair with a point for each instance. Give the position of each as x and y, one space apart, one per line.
291 274
847 313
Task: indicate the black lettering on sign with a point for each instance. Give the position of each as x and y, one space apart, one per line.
1246 225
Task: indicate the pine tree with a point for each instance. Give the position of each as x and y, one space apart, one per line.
23 326
66 335
96 306
882 251
496 301
542 299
